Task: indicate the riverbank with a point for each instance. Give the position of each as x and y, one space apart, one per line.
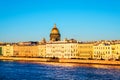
100 62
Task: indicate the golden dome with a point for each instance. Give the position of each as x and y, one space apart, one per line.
54 35
54 30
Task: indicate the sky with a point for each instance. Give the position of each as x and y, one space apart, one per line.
83 20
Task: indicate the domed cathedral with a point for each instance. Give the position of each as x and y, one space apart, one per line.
55 35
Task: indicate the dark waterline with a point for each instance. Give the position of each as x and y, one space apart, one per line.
12 70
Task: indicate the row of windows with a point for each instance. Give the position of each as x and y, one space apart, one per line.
54 51
71 54
97 56
27 51
85 51
88 56
61 46
85 47
101 47
98 52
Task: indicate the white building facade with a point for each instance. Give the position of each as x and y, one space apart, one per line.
62 49
7 50
102 51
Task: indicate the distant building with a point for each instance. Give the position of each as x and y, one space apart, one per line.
102 51
30 43
118 51
115 51
85 50
42 48
7 50
106 51
25 51
62 49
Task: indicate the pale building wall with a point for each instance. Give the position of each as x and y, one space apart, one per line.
7 50
71 50
42 50
116 51
102 51
62 50
55 50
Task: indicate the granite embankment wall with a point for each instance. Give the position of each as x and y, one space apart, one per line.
23 59
102 62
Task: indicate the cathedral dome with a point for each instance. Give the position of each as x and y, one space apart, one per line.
55 30
55 35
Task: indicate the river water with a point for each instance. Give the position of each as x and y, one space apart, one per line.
14 70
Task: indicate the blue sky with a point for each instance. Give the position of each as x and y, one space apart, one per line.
84 20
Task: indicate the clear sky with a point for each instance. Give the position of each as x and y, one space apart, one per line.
83 20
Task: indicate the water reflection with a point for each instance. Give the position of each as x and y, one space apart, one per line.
78 65
59 64
105 66
23 70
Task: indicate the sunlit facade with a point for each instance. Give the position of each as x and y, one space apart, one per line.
115 51
62 49
25 51
7 50
107 51
42 50
102 51
85 50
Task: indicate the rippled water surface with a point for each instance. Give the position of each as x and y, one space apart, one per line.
11 70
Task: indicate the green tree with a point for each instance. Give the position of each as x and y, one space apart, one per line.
0 50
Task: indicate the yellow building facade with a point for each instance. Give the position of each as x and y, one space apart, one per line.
26 51
85 50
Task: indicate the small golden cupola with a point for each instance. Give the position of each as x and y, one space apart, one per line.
55 35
